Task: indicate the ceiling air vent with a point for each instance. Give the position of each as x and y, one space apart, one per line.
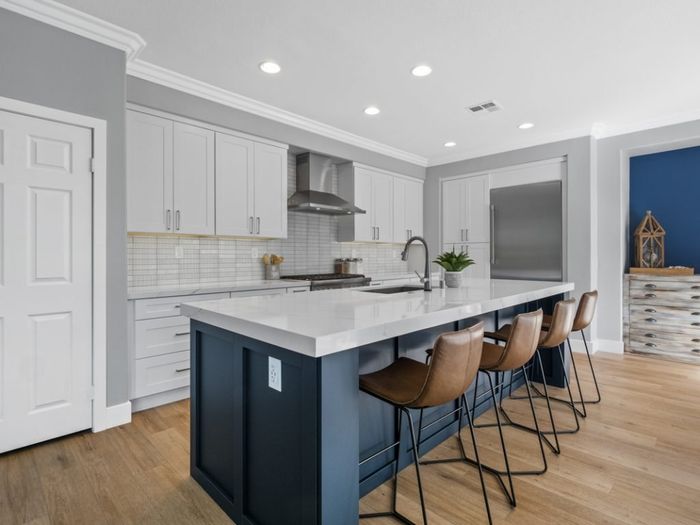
490 106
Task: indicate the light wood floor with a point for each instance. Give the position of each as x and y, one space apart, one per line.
636 460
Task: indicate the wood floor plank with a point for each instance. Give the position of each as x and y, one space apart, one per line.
636 460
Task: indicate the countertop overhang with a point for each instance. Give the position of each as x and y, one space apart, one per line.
325 322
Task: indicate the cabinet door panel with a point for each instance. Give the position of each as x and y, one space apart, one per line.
234 185
477 209
452 211
363 198
382 206
149 173
193 168
414 207
400 227
270 191
480 252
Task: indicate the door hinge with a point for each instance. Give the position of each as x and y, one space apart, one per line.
92 165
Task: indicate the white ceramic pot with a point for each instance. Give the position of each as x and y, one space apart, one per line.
453 279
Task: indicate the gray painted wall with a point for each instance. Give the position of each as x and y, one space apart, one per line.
47 66
613 204
166 99
579 185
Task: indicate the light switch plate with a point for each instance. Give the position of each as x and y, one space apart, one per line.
274 373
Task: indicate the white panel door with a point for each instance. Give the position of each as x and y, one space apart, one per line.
193 179
45 280
453 220
270 193
234 185
149 173
477 209
364 230
382 209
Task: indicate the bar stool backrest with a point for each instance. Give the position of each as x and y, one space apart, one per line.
586 310
562 322
523 339
453 366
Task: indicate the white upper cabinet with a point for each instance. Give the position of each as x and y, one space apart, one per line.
375 191
270 189
465 210
149 172
234 185
193 176
251 188
408 209
185 178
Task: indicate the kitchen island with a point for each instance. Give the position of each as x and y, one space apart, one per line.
278 424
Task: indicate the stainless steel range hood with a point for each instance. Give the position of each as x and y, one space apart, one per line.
314 186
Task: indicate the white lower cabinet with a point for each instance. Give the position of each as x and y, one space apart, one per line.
159 342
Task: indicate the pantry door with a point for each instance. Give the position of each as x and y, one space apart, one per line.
45 280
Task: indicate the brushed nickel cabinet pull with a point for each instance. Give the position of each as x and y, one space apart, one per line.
696 324
695 313
178 370
696 350
650 336
650 285
695 287
168 219
177 220
257 231
652 345
650 311
696 297
181 333
650 320
176 306
649 295
696 340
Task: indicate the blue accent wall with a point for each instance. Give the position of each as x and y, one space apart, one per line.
668 184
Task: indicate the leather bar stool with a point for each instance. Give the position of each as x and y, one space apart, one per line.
512 358
552 339
407 384
583 319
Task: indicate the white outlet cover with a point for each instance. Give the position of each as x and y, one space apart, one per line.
179 252
274 373
254 253
354 254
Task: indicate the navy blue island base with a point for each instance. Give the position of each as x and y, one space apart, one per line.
292 457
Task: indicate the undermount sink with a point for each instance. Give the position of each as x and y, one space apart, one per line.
394 289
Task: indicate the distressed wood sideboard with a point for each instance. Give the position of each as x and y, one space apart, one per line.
662 316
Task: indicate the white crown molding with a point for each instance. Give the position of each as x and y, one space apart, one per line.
88 26
538 140
180 82
601 131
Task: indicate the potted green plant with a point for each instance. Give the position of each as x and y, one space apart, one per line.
454 264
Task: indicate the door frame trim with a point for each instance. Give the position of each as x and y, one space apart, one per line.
102 416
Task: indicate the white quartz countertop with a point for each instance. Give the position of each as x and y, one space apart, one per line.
325 322
149 292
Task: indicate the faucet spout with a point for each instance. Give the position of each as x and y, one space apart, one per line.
404 256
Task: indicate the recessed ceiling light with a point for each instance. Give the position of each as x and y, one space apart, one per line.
421 71
371 110
450 144
526 125
269 67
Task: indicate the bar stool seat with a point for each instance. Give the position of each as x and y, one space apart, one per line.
491 354
505 331
399 383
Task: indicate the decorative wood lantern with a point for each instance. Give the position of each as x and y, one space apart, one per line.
649 243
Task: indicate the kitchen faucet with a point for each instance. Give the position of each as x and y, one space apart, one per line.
404 257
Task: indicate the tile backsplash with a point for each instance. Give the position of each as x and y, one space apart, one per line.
310 247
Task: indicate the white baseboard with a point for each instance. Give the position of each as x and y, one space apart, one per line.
577 346
611 346
163 398
113 416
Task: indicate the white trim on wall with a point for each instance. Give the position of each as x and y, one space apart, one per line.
172 79
103 417
75 21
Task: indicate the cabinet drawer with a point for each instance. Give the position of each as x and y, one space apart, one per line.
665 314
161 336
254 293
656 338
169 306
682 297
161 373
671 350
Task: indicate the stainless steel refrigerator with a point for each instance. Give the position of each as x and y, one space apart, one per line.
526 232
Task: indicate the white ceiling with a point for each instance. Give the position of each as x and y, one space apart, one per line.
567 66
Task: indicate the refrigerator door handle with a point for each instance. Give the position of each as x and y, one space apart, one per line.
492 210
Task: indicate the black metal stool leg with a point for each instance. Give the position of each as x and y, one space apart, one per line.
590 364
478 462
416 461
510 495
